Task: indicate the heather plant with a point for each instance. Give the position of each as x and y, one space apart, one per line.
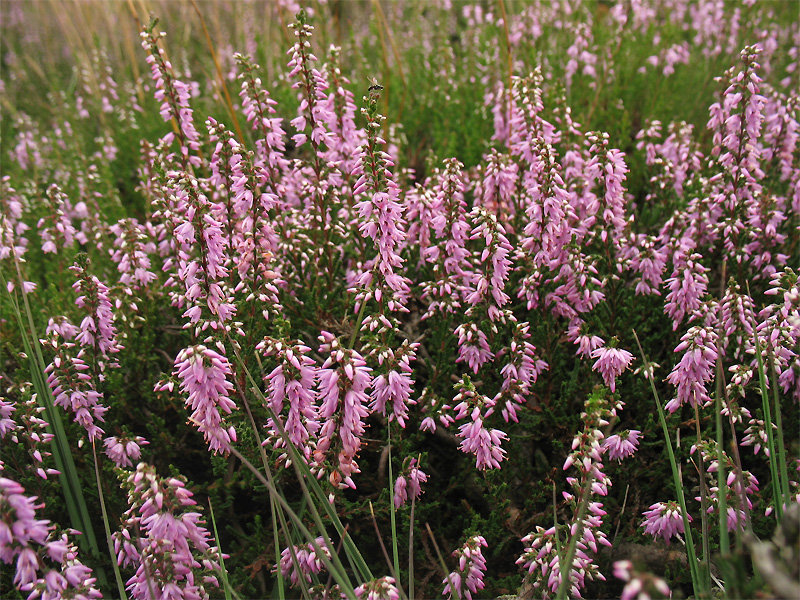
366 277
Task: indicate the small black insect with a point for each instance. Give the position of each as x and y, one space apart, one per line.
375 85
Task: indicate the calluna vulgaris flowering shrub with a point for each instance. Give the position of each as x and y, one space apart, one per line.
513 313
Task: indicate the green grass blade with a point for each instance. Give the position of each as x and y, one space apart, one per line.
441 560
700 585
411 549
777 498
280 582
722 479
395 573
392 511
782 470
109 540
229 591
62 454
335 569
566 562
304 476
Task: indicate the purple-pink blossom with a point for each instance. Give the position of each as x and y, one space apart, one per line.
611 363
308 561
623 444
124 449
639 586
46 563
695 369
409 483
664 519
382 588
204 379
467 579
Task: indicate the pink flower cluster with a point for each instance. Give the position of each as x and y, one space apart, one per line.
46 564
204 373
468 578
174 96
519 374
382 588
381 219
344 379
73 387
446 224
611 362
307 561
409 483
392 389
292 383
476 438
622 445
695 368
639 586
132 254
165 539
541 557
124 449
56 230
664 519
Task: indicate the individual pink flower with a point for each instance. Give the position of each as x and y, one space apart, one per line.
611 362
664 519
623 444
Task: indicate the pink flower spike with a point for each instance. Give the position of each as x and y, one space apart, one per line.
470 572
203 374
